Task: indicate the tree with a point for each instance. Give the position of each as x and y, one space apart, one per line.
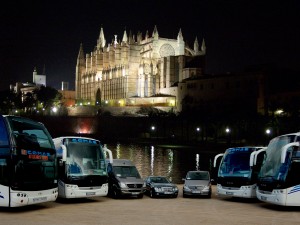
29 102
9 100
48 96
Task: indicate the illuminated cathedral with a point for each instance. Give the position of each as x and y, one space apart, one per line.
136 70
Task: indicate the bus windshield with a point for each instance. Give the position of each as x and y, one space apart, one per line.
235 163
85 159
272 164
34 155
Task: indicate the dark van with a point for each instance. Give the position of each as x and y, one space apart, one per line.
124 179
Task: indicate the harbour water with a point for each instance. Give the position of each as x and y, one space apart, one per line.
170 161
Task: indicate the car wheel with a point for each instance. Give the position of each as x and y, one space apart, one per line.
115 193
209 195
140 196
175 196
184 195
152 194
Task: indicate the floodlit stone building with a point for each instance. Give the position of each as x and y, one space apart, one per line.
137 70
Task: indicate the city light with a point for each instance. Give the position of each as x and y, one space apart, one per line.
268 131
54 109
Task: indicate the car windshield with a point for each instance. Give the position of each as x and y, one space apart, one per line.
197 175
159 180
126 171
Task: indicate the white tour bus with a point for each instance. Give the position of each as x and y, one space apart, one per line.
27 163
238 170
279 177
82 167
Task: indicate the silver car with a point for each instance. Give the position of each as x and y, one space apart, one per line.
197 183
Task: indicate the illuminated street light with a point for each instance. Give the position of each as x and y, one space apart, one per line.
268 131
54 109
227 130
152 128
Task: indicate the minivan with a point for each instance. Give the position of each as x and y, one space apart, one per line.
197 183
124 179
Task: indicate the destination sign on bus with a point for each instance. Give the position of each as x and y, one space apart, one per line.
31 154
82 140
239 149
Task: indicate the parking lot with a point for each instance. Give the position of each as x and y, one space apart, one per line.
178 211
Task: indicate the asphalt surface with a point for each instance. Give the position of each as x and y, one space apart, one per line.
166 211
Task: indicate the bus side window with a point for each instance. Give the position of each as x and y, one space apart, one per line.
3 172
3 133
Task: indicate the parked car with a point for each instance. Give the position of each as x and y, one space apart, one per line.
197 183
124 179
159 186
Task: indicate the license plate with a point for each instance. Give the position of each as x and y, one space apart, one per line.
135 193
168 193
41 199
263 198
90 193
196 192
229 193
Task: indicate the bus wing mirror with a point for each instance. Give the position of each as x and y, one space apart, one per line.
285 148
64 153
216 157
109 154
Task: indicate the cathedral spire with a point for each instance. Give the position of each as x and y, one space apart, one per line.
80 57
146 35
179 36
125 38
196 45
81 52
155 32
203 46
101 41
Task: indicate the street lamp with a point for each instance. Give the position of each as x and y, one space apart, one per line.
227 130
268 134
153 130
198 132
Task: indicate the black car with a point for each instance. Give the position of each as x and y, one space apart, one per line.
159 186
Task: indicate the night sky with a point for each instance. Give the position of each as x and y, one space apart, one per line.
238 33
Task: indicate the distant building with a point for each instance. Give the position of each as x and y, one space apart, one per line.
24 88
39 80
64 85
137 70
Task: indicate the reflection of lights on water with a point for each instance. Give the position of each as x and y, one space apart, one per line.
152 160
170 163
105 153
118 151
197 161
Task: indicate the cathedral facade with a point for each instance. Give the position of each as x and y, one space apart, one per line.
137 70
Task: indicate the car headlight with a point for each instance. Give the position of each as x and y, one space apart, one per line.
206 188
186 188
157 189
122 185
175 189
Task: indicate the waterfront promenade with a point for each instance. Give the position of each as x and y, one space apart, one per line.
147 211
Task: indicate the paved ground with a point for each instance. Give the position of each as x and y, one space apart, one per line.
179 211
